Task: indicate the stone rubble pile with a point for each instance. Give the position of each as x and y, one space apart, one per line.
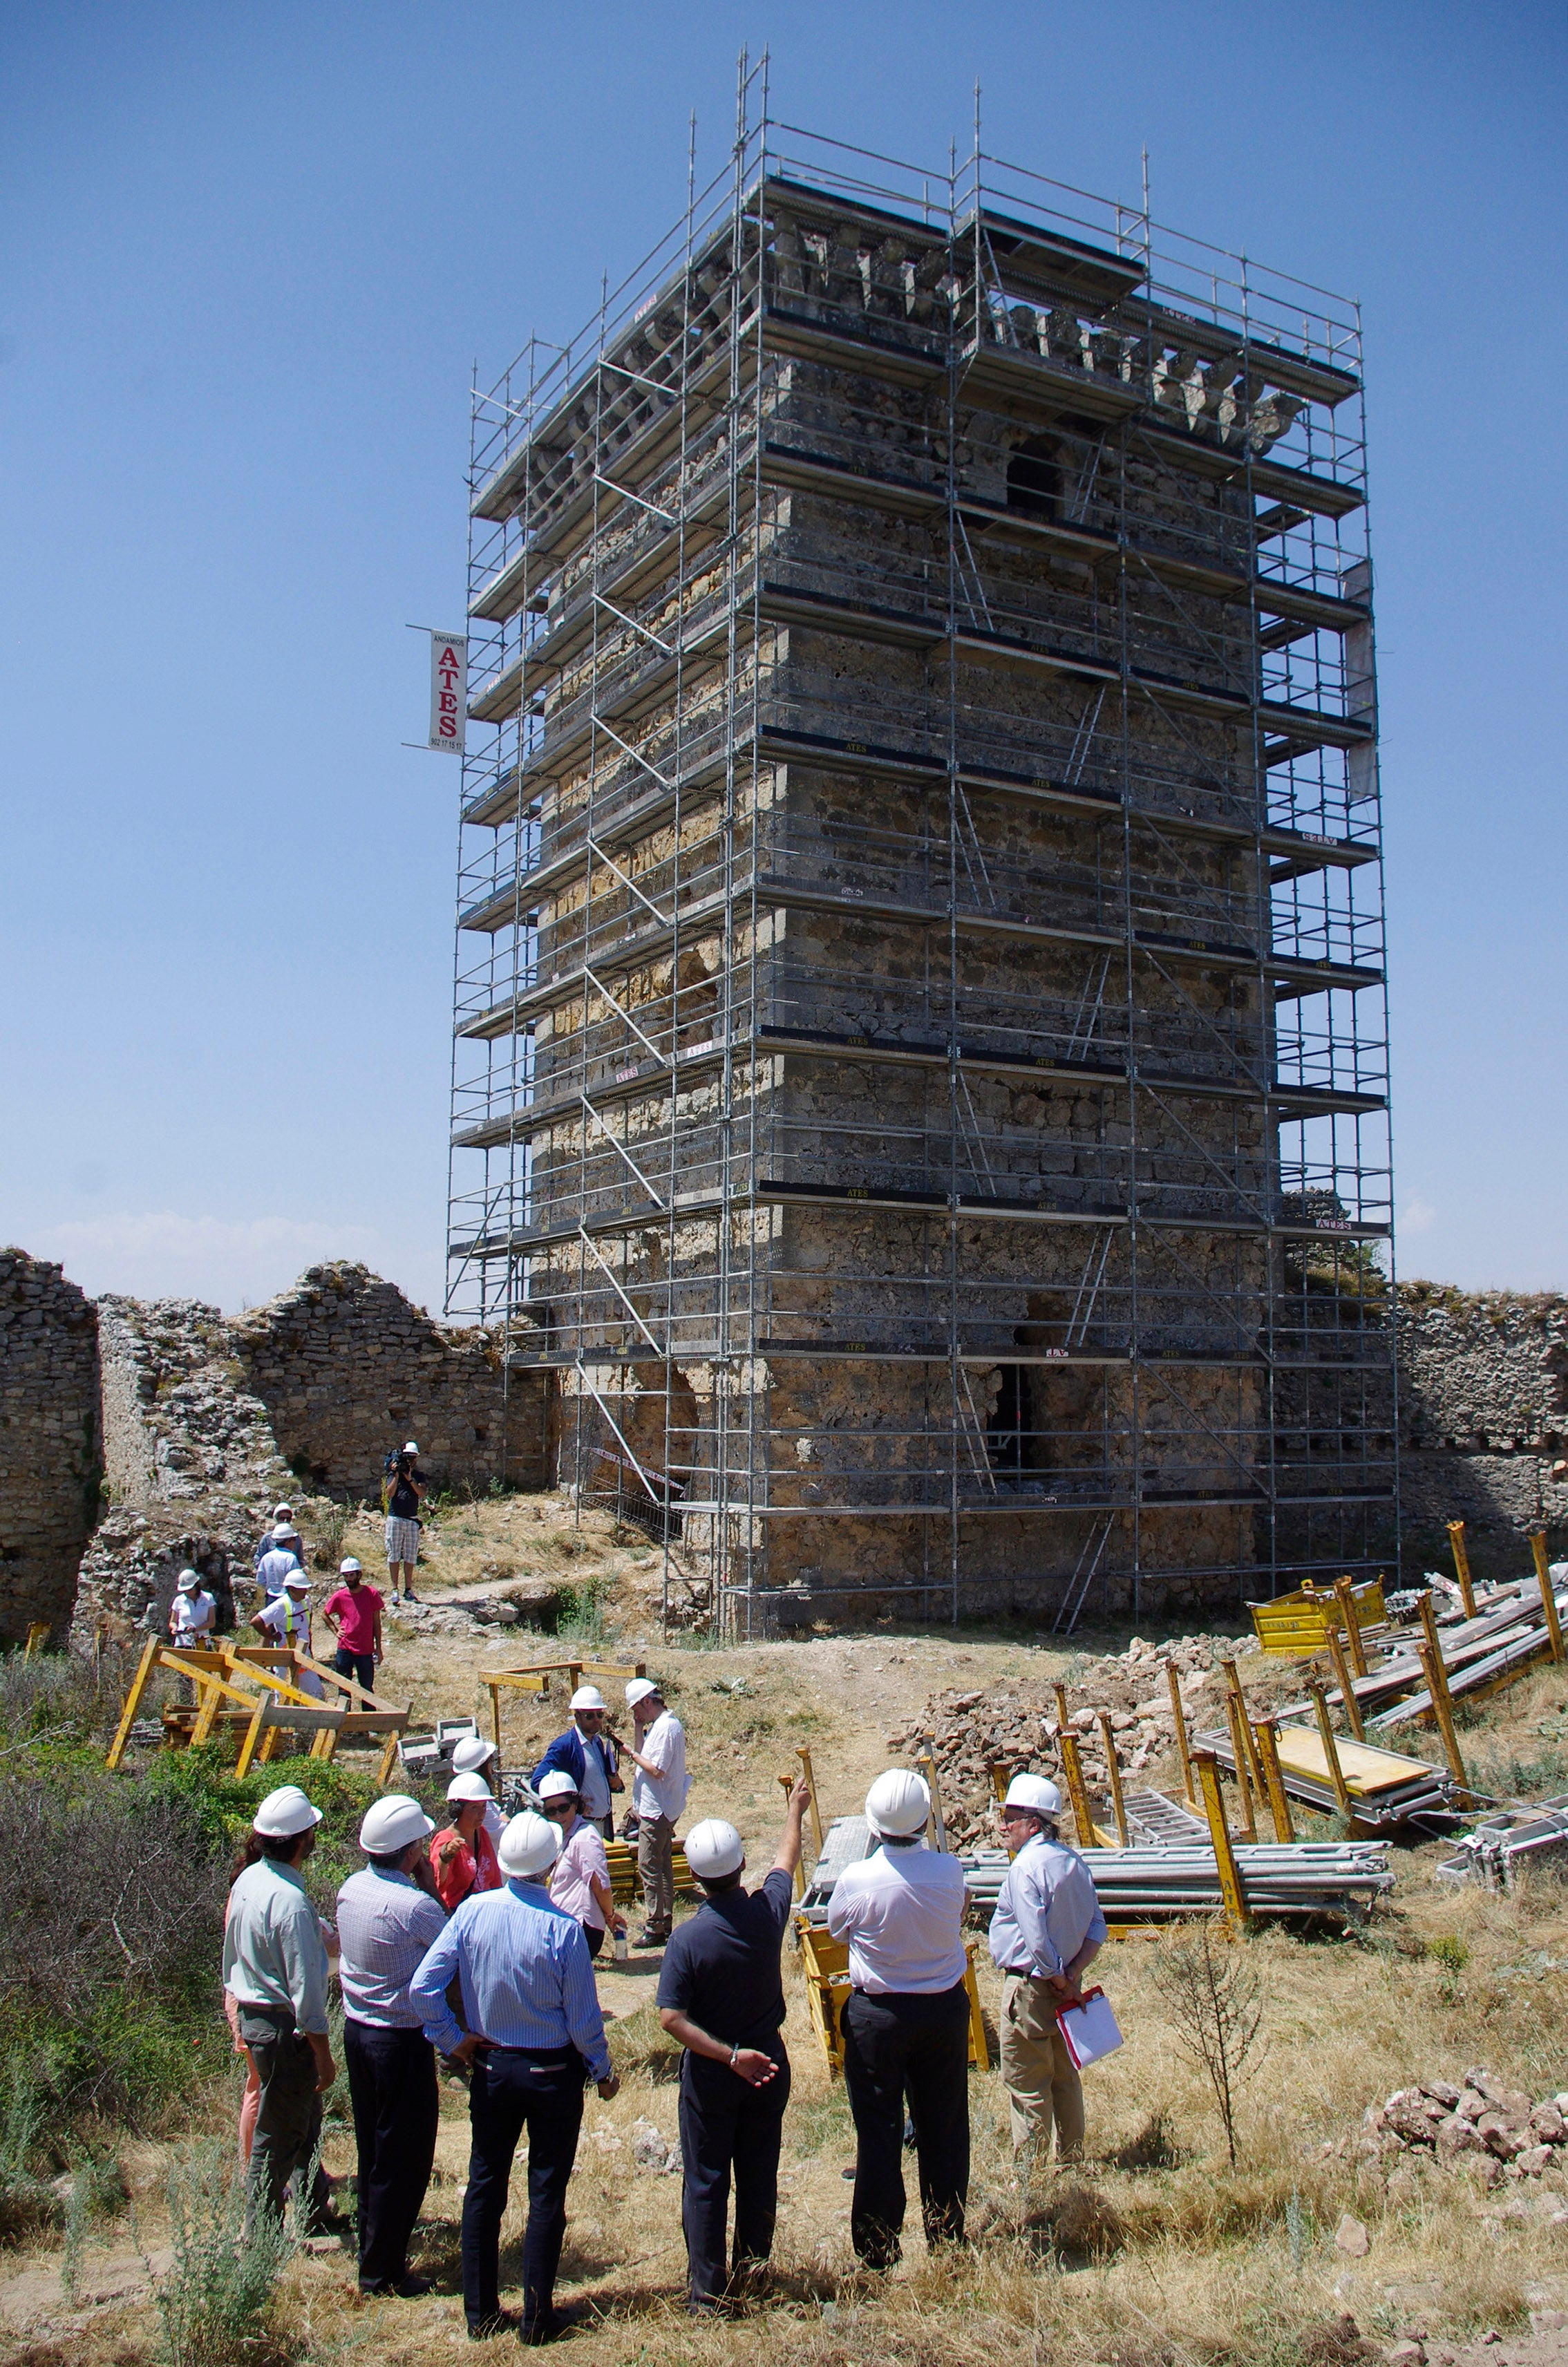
1498 2128
1014 1723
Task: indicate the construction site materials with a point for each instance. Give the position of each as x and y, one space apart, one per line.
1503 1843
1335 1775
825 1963
535 1678
1462 1568
260 1681
1510 1634
1302 1623
1159 1883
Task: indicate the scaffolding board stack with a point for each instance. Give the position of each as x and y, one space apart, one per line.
920 1086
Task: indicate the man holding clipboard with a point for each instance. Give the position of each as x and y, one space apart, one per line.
1045 1933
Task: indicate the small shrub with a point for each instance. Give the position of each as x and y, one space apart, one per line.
215 2300
1213 1994
1451 1954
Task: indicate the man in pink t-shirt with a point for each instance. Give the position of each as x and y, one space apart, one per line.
353 1612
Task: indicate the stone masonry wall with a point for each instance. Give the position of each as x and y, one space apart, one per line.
48 1443
347 1368
1483 1416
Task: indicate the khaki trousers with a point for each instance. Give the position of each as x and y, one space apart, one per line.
1039 2074
656 1868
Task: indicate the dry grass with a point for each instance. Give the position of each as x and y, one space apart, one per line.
1153 2255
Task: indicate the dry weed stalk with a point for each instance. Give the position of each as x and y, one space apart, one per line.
1214 1995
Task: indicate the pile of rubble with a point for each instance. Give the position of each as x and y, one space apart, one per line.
1014 1725
1499 2128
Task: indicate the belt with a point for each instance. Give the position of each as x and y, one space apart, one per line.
535 2054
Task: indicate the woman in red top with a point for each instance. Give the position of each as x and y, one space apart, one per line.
463 1857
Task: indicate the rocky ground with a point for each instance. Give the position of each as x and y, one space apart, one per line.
1359 2225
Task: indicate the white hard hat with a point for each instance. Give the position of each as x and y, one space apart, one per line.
410 1446
640 1688
556 1786
714 1849
528 1846
391 1823
296 1582
345 1567
588 1697
283 1512
283 1529
285 1813
897 1803
472 1753
187 1580
1035 1792
467 1787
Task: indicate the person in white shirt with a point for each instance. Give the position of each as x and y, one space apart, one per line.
282 1555
905 2022
580 1883
284 1618
193 1614
1047 1930
658 1794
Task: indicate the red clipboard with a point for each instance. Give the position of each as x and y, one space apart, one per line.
1090 2028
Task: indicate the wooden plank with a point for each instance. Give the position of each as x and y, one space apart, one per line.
138 1684
1367 1771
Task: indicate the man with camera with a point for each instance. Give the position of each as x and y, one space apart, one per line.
405 1494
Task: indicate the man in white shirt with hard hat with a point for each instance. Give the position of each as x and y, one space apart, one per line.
274 1965
388 1918
905 2022
658 1794
1045 1933
586 1753
535 2034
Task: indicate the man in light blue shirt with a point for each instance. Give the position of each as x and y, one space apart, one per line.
281 1557
534 2030
388 1918
1045 1933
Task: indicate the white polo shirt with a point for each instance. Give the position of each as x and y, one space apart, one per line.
902 1913
664 1747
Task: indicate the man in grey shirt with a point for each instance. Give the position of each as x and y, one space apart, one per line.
274 1962
388 1917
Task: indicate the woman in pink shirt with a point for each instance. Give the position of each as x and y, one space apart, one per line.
580 1883
463 1857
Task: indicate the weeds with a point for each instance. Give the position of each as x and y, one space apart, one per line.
1451 1954
1213 1994
216 2298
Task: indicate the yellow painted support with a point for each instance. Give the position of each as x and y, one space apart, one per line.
786 1785
252 1735
1548 1593
209 1692
1330 1748
1462 1568
1274 1780
1077 1790
804 1756
1231 1890
1113 1775
925 1763
38 1636
825 1962
998 1772
1243 1771
387 1761
1345 1588
1178 1713
1429 1620
138 1684
1436 1678
1345 1683
1232 1685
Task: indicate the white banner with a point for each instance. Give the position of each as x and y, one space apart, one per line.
448 690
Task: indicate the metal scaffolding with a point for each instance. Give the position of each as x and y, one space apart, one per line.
919 1041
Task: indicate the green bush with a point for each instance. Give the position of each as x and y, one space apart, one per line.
215 2299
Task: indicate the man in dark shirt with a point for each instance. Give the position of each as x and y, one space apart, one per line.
720 1993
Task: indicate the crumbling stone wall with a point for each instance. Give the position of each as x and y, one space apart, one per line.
1484 1417
49 1441
347 1368
176 1422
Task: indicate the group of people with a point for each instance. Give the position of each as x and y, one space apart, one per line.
476 1944
352 1613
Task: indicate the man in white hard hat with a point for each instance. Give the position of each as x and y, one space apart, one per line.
283 1554
274 1965
353 1612
586 1753
658 1794
388 1919
405 1495
475 1756
720 1994
905 2022
193 1614
535 2033
280 1528
284 1618
1045 1933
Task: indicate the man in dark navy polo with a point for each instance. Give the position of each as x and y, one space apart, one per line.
721 1994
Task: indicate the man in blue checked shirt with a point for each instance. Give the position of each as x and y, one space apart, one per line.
535 2031
1045 1933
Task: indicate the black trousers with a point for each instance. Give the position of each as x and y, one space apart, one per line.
360 1666
289 2118
392 2084
916 2046
728 2126
512 2088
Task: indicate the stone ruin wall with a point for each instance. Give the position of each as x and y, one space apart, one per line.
48 1443
1483 1421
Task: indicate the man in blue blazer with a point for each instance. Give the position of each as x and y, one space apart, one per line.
586 1753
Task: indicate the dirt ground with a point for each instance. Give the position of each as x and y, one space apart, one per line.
1154 2254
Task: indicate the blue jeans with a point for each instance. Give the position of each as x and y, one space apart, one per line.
360 1666
511 2088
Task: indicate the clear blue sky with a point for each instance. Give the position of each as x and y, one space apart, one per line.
250 254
